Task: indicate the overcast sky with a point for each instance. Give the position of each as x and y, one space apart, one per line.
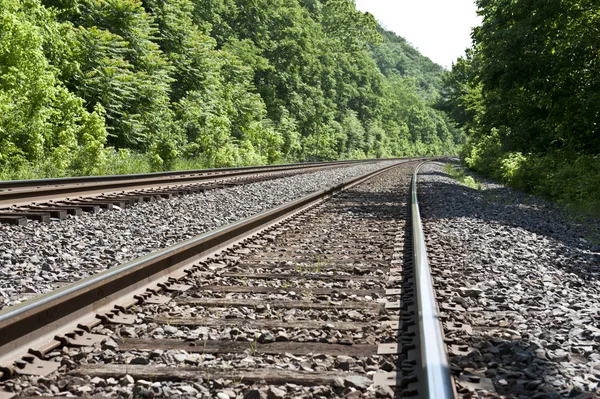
440 29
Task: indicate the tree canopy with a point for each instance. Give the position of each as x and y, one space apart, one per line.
86 83
528 94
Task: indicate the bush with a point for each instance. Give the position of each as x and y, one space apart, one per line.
510 165
564 176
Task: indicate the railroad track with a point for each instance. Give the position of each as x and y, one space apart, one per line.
328 296
44 199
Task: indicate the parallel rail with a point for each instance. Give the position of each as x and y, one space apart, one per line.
17 196
12 184
40 319
34 323
21 191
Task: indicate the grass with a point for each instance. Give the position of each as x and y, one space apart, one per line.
254 345
113 163
458 174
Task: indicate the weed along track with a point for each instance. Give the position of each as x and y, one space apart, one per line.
314 299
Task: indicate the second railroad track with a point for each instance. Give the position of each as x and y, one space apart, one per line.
329 296
44 199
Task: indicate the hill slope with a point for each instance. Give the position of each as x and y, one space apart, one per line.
110 86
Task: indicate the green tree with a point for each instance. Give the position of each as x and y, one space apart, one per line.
41 122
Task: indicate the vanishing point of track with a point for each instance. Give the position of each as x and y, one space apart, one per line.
328 296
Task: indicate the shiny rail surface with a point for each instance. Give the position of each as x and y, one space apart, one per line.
12 184
433 371
23 192
41 324
42 317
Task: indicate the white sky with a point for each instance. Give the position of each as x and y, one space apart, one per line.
440 29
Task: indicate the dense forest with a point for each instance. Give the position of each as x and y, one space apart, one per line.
528 95
116 86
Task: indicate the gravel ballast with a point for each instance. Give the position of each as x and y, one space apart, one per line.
237 326
525 277
38 258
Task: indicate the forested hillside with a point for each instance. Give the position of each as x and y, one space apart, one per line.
528 94
113 86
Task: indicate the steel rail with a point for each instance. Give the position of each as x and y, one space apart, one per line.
11 184
433 370
49 314
24 191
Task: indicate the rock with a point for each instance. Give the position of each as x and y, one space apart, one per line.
321 391
384 392
344 362
111 381
471 292
282 337
140 360
128 332
387 366
266 337
77 381
68 363
189 389
354 394
532 385
109 343
127 380
560 355
170 329
84 389
98 382
354 315
253 394
219 383
180 357
275 393
143 393
357 381
222 395
338 382
30 391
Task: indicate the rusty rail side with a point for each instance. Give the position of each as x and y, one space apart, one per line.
44 315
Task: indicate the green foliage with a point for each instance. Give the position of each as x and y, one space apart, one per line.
540 72
524 94
41 122
395 56
120 66
459 174
89 85
564 176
